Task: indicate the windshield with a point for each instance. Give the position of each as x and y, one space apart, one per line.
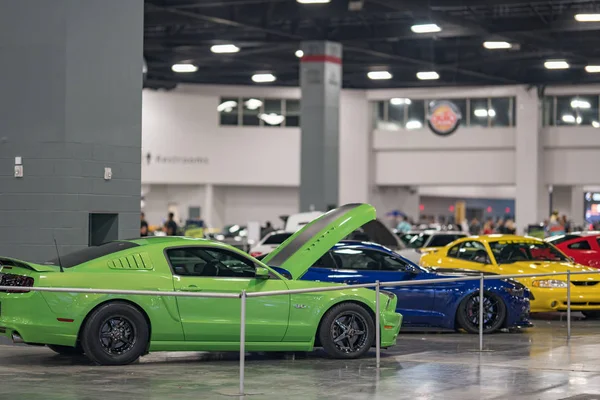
405 237
277 238
418 241
507 252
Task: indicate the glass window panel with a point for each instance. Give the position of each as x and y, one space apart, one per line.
272 115
396 109
416 114
272 106
583 108
292 120
252 109
479 112
292 107
513 120
228 110
548 111
499 112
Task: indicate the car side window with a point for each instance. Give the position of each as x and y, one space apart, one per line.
389 263
453 252
357 259
209 262
326 261
581 245
473 251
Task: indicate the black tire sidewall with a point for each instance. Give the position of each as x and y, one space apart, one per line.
329 318
90 340
463 323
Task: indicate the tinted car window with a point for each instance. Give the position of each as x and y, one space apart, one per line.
90 253
581 245
277 238
473 251
326 261
418 241
202 262
354 259
442 240
507 252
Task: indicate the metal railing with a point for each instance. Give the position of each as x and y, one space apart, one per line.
243 296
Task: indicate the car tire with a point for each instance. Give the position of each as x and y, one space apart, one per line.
351 320
66 350
116 333
591 314
467 314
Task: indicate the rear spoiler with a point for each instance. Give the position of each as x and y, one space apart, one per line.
8 263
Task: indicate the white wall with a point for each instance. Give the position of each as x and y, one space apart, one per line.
158 198
185 122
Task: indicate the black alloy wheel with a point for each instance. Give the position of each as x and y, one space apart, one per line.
116 333
494 313
347 331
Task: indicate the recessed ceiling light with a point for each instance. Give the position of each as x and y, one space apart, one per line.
299 53
556 64
428 75
184 68
587 17
425 28
313 1
493 45
376 75
576 103
224 48
569 119
263 78
592 68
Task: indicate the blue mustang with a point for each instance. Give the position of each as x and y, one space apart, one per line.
445 305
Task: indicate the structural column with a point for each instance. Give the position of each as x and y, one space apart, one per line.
532 196
320 80
577 206
70 110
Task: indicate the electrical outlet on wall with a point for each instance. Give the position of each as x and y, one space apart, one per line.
18 171
107 173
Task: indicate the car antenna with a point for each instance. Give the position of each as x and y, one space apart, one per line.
58 255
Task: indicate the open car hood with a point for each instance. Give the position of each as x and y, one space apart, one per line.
381 234
301 250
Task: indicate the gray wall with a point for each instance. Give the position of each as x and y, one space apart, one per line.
71 107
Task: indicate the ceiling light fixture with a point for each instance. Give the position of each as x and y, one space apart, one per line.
592 69
272 118
587 17
224 48
398 101
556 64
263 78
494 45
425 28
227 106
414 124
569 119
377 75
313 1
184 68
299 53
428 75
596 124
253 104
580 104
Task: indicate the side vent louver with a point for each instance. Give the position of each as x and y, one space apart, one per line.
133 261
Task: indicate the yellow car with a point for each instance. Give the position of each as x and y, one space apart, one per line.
509 254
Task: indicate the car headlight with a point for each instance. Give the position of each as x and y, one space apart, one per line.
550 283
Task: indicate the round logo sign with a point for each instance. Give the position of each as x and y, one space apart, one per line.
444 117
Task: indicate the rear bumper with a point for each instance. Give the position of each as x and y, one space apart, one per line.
28 315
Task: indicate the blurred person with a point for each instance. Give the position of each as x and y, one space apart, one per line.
464 225
404 226
268 228
500 226
474 227
170 226
555 226
488 227
143 225
565 223
510 227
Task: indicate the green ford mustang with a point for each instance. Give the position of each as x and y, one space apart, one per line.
117 329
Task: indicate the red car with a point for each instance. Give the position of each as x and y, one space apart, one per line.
583 247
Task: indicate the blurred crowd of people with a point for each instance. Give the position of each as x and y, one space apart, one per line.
491 225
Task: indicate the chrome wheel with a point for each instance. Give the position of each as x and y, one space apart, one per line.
117 335
349 332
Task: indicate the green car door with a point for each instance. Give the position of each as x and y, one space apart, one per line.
219 270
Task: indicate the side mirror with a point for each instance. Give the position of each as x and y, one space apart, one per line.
261 273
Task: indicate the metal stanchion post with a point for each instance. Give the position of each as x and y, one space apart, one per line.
377 325
481 313
242 340
568 305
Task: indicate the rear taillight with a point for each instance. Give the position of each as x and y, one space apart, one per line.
16 281
255 253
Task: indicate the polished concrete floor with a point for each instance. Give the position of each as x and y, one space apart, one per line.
534 364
